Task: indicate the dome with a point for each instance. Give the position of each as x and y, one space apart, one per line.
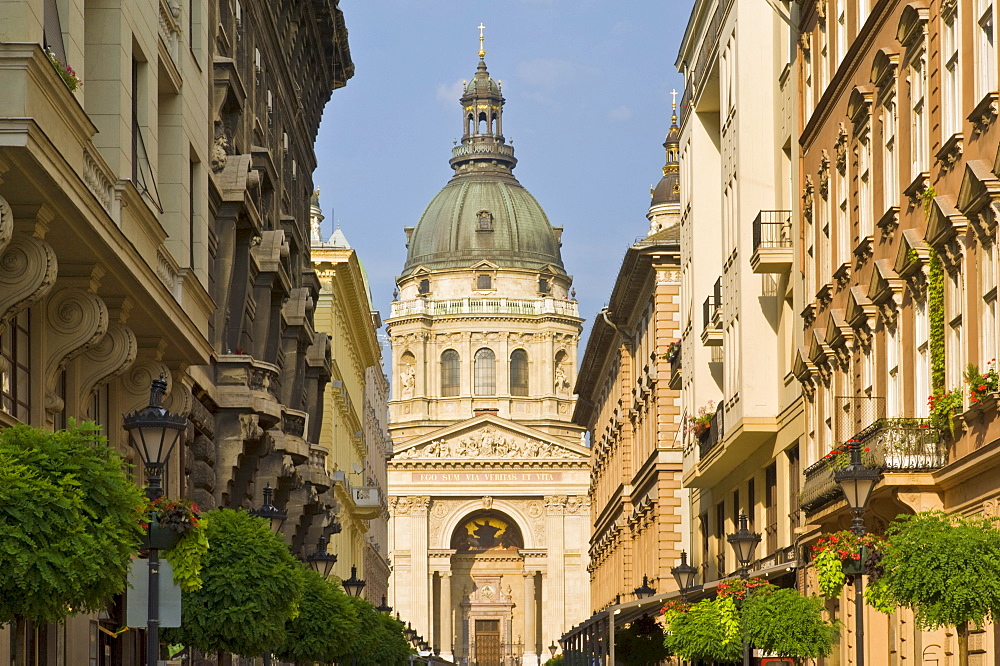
483 217
667 190
482 87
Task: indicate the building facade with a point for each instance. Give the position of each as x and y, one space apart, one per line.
353 441
488 483
899 191
742 406
154 221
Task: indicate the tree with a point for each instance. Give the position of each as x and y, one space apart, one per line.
69 523
946 568
641 643
787 624
251 587
325 625
708 631
380 642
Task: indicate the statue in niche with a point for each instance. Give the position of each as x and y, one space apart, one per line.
561 382
407 380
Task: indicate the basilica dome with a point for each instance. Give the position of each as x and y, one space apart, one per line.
483 213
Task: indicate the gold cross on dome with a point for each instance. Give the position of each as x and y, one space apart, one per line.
673 93
482 50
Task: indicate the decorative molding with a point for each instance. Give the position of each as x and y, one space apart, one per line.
136 380
984 114
841 149
889 220
76 320
950 152
487 443
28 268
107 359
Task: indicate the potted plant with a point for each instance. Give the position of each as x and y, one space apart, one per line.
66 73
839 555
699 424
176 527
673 350
943 407
981 384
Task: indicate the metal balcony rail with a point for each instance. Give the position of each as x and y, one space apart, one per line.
715 432
772 229
855 413
712 304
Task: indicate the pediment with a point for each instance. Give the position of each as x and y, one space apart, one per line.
979 186
484 265
884 68
860 309
489 438
912 23
913 254
944 220
859 104
420 270
885 284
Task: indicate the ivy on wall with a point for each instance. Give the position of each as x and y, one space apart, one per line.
935 313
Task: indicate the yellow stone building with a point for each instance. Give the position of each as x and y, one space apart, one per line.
353 440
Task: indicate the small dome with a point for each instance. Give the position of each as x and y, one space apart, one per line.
667 190
483 217
482 87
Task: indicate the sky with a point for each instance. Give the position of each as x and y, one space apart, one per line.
587 86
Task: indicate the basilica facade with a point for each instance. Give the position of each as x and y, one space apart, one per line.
488 482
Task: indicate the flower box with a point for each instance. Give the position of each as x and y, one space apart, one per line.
160 537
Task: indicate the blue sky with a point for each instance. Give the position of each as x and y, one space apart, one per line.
587 85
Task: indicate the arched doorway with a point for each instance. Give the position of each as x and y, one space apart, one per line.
488 571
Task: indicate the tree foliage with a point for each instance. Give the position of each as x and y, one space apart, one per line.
69 522
709 630
324 626
641 643
784 622
945 567
251 586
379 641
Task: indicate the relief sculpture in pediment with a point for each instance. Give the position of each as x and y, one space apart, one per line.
487 444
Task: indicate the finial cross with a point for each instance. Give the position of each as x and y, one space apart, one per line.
482 49
673 93
481 28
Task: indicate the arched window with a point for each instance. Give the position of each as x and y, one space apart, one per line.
450 373
485 372
519 372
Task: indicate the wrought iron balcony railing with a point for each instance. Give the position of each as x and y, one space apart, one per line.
772 229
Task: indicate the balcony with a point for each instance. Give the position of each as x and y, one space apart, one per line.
367 500
772 242
715 433
464 306
896 446
711 334
674 357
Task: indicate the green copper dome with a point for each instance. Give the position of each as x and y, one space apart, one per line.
483 213
487 216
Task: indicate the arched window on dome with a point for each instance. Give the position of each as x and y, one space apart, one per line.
483 124
485 372
470 122
451 376
519 372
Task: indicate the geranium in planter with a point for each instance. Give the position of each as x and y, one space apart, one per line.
839 555
699 424
982 383
175 526
66 73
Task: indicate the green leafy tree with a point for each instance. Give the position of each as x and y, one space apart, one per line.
641 643
709 631
784 622
946 568
325 625
379 642
251 586
557 660
69 522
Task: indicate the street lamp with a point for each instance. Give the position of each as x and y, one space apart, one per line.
553 648
744 542
644 591
269 512
153 432
411 633
353 585
383 608
684 574
857 481
322 561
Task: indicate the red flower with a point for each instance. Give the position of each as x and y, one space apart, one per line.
867 450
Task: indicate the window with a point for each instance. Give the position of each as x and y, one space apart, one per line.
918 115
543 285
843 217
988 289
893 390
863 9
890 181
771 507
954 302
484 281
922 362
986 54
484 221
793 486
841 34
865 219
951 105
424 287
15 381
485 372
519 372
720 538
450 373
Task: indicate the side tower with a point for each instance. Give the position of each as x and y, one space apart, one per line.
488 504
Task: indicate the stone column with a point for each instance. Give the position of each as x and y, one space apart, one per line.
529 618
555 593
447 633
420 570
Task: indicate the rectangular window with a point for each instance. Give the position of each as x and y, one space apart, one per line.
865 220
951 104
922 363
988 289
918 115
771 507
720 539
954 306
863 9
890 181
841 35
986 54
843 217
893 390
15 382
793 487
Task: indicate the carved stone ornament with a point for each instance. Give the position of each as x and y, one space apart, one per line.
250 429
487 443
841 149
487 502
107 359
824 174
27 272
77 319
807 197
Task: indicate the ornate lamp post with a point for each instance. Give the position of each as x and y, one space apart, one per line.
154 432
553 648
644 591
270 512
322 561
857 481
353 585
383 608
744 542
684 574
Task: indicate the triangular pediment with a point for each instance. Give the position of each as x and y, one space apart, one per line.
979 186
484 265
489 437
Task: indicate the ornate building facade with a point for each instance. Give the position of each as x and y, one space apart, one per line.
354 442
154 221
900 195
488 484
629 402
